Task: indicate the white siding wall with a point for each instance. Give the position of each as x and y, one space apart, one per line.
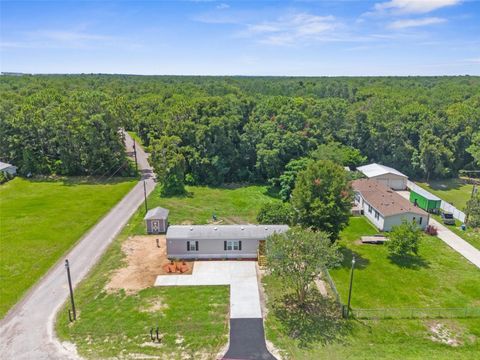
371 216
393 181
393 220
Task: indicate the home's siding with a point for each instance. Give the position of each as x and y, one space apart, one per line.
162 226
393 181
211 249
371 216
393 220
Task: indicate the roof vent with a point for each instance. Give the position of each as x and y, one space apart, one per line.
191 228
242 228
266 228
215 228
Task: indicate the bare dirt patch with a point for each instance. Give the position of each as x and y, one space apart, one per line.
144 262
441 333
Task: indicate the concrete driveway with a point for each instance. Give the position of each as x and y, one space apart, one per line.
247 335
241 276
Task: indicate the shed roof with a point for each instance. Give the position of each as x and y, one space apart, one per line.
156 213
375 169
224 232
427 195
5 165
386 201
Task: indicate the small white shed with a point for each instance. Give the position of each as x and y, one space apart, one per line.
156 220
388 176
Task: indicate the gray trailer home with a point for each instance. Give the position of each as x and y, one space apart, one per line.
218 241
156 220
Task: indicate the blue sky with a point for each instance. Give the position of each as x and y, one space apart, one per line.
383 37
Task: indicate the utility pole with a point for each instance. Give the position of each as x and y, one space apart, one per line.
350 289
135 154
145 195
474 191
67 265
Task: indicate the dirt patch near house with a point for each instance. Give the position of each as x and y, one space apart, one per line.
144 262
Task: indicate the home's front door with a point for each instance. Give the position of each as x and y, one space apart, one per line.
155 226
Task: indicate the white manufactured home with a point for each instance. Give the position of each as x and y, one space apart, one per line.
390 177
384 207
218 241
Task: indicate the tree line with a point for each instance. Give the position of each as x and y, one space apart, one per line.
215 130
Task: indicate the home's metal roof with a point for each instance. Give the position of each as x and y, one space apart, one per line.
223 232
386 201
375 169
156 213
427 195
5 165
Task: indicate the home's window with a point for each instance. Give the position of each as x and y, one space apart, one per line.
233 245
370 209
420 220
192 245
414 220
377 215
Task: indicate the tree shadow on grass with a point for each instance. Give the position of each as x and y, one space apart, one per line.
360 262
317 321
409 262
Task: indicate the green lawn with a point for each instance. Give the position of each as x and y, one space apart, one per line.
440 277
470 235
193 320
384 282
230 205
41 220
452 191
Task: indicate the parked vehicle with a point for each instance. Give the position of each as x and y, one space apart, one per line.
448 218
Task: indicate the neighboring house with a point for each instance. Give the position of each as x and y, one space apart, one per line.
425 200
156 220
8 168
218 241
384 207
386 175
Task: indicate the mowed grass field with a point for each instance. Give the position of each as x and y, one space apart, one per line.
41 220
439 278
193 321
452 191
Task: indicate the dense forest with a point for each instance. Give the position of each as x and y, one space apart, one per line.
215 130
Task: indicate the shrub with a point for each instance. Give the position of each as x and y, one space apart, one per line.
404 239
276 213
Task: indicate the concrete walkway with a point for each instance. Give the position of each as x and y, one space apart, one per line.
27 330
247 335
453 240
457 243
241 276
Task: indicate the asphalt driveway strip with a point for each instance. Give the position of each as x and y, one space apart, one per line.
247 340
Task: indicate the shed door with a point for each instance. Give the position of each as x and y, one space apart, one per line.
155 226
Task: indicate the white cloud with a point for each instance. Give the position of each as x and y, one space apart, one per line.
68 36
222 6
474 60
408 23
288 30
413 6
72 39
